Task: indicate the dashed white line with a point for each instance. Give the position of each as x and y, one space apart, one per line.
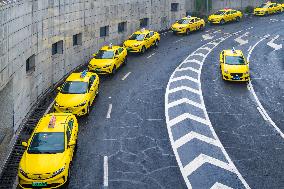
178 40
109 111
105 171
125 76
153 119
151 55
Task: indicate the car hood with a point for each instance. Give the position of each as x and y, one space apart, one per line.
236 68
101 62
42 163
130 43
70 100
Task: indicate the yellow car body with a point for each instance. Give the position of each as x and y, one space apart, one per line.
142 40
77 93
268 8
108 59
47 159
225 15
187 24
234 66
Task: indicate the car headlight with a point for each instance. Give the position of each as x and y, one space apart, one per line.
82 104
136 45
226 71
23 173
56 104
58 171
246 72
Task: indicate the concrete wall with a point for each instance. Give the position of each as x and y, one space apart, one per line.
30 27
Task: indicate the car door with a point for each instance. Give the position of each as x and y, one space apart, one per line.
70 148
120 56
222 61
198 23
152 37
270 9
92 89
147 40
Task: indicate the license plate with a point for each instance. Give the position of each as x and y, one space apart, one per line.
236 78
39 184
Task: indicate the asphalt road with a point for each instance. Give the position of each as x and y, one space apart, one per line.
127 122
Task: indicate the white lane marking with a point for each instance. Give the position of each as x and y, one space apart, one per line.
109 97
205 48
207 37
199 54
188 68
178 40
181 88
105 171
273 45
125 76
218 185
262 114
152 119
109 111
240 39
185 116
202 159
214 44
193 135
151 55
249 48
193 61
251 89
184 78
49 107
185 101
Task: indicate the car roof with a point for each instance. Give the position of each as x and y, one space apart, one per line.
108 48
233 53
77 77
59 126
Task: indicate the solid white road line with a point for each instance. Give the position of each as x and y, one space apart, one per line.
105 171
218 185
152 119
260 108
49 107
126 75
109 111
151 55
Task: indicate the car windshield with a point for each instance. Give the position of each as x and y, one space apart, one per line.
263 6
219 13
137 37
235 60
104 54
74 87
47 143
184 21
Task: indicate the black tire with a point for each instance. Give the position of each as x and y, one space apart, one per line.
113 70
143 50
201 27
238 19
98 91
187 32
157 43
125 61
266 14
222 22
88 110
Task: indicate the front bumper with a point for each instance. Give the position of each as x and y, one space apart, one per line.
79 111
100 70
54 182
178 31
214 21
259 13
232 77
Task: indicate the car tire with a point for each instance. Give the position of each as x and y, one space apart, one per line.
143 50
125 61
222 22
113 70
201 27
266 14
98 91
187 32
238 19
88 110
157 43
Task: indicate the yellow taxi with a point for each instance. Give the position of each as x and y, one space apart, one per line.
188 24
225 15
142 40
49 152
108 59
268 8
77 93
234 66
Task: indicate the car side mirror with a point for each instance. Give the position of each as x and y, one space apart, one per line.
58 89
95 54
24 144
71 143
247 62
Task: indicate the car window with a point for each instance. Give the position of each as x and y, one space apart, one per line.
120 50
197 19
74 87
70 124
235 60
68 134
91 81
147 36
151 33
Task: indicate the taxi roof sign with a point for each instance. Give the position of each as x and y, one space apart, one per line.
188 16
143 29
83 74
52 121
110 46
233 50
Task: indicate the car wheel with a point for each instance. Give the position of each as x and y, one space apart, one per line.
143 50
156 43
97 91
125 61
222 22
113 70
187 31
201 28
266 13
88 110
238 19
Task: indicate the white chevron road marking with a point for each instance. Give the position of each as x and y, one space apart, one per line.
184 88
192 60
273 45
188 68
218 185
193 135
200 54
185 101
189 116
205 48
207 37
184 78
201 160
240 39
